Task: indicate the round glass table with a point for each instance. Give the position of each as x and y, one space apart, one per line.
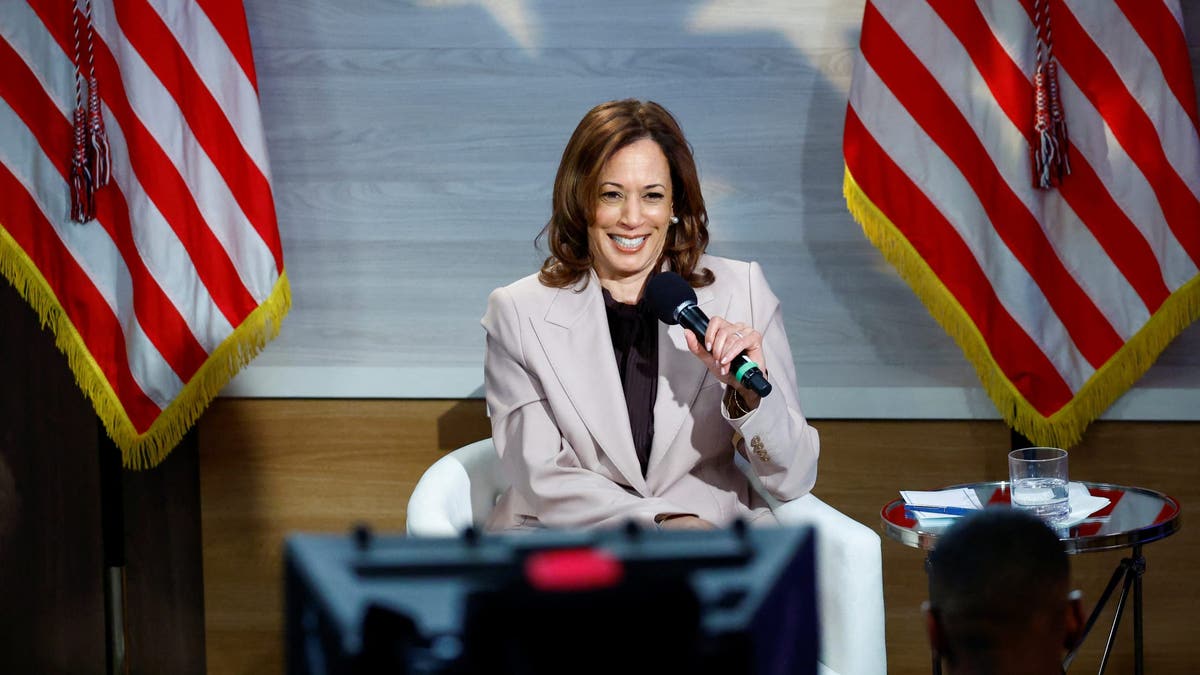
1134 516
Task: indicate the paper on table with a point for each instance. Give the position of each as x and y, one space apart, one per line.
1083 504
963 498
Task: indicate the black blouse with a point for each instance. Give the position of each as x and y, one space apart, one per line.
634 332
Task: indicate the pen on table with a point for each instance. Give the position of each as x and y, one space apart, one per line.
945 510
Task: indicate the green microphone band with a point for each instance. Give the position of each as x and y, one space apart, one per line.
745 366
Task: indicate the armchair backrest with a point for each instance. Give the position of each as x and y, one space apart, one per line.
458 490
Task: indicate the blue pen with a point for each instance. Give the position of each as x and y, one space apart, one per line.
945 510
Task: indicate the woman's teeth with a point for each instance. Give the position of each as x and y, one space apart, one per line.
629 243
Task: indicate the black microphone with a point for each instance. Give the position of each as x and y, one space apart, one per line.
674 301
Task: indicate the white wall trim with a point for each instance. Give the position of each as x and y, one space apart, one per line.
841 402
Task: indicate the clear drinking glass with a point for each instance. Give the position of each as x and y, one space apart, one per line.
1038 482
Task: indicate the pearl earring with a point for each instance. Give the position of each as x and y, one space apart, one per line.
674 220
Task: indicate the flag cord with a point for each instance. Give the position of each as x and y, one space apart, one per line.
90 163
1050 161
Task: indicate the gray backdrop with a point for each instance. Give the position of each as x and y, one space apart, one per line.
413 147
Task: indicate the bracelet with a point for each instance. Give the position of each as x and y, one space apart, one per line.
734 401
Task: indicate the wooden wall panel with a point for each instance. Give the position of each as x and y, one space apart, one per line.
270 467
164 582
273 466
52 548
51 597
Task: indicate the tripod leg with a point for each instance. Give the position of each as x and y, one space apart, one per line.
1139 567
1112 633
1091 621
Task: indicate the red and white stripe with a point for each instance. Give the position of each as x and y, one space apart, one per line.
185 244
937 136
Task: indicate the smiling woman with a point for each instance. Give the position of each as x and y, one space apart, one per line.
631 218
649 434
625 150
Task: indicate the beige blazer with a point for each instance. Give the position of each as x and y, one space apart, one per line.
562 431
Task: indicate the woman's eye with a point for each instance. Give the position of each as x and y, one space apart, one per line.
610 197
654 196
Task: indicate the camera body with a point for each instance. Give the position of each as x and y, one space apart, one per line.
740 600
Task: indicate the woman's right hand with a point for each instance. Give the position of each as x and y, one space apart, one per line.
722 343
686 523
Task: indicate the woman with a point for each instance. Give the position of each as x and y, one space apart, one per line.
602 415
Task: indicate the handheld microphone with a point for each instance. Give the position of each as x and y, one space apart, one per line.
674 302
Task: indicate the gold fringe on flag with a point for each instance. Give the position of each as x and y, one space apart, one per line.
1065 427
146 450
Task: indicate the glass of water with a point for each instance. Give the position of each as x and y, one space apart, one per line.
1038 482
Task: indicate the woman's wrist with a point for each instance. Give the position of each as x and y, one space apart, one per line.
740 403
682 521
662 518
734 404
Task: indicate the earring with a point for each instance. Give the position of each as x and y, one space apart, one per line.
674 220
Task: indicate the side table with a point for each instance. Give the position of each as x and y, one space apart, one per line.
1134 516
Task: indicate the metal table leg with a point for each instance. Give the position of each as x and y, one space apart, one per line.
1112 632
1129 570
1139 568
936 657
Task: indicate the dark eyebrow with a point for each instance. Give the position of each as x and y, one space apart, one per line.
616 184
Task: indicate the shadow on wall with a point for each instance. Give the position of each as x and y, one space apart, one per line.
891 325
466 422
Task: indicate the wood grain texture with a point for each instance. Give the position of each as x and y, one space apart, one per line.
164 578
273 466
52 557
51 597
413 147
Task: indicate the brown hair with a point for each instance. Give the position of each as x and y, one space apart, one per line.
602 132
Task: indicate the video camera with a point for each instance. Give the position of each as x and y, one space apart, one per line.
740 600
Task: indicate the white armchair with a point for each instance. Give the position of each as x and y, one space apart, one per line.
461 488
457 491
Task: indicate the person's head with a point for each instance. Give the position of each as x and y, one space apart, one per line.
999 595
627 196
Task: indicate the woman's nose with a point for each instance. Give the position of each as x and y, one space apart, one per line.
631 213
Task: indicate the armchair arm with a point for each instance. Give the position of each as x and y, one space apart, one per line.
457 491
850 586
440 505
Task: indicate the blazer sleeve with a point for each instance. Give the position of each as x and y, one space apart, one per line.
541 465
775 437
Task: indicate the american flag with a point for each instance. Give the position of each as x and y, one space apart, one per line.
1060 297
178 279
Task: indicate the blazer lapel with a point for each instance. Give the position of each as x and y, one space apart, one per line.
680 375
576 340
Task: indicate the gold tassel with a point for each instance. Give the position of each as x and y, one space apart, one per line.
146 450
1065 427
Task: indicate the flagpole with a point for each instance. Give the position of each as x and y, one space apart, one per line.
1017 440
112 528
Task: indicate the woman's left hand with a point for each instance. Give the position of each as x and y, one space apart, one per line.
722 342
